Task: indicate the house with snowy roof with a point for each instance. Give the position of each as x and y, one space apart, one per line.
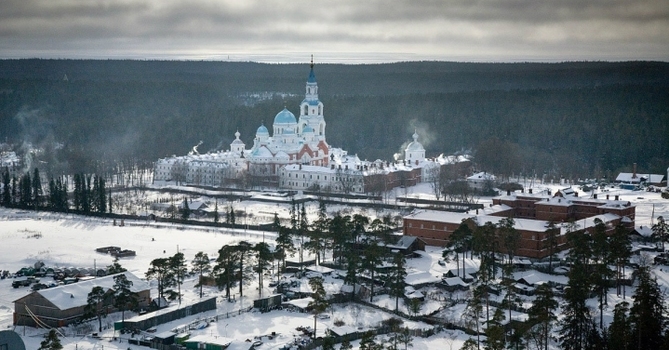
480 180
62 305
635 178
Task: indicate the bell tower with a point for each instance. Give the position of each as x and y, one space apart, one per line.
311 108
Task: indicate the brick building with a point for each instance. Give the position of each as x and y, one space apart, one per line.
532 214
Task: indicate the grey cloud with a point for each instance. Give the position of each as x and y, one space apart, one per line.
434 29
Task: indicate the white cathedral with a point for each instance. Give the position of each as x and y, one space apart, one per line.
296 157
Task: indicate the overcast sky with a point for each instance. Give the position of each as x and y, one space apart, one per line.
348 31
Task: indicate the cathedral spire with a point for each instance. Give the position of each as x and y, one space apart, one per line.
312 76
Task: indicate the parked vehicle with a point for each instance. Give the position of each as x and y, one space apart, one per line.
21 283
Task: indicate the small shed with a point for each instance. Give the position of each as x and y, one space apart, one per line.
453 284
407 245
301 305
207 342
323 270
421 279
164 338
267 304
468 273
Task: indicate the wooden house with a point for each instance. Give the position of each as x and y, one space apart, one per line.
62 305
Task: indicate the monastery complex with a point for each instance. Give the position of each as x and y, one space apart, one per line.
296 156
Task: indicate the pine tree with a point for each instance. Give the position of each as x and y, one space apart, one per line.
101 195
51 341
185 212
396 278
320 302
201 265
495 332
317 233
109 197
284 244
660 231
576 322
372 257
620 247
473 311
542 313
37 189
124 297
243 249
6 191
510 237
160 271
54 195
263 259
551 242
367 342
340 235
216 212
352 270
619 337
406 338
601 257
303 231
25 199
94 305
224 270
78 188
457 244
646 314
178 269
511 298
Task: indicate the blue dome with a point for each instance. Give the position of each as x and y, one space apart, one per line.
307 129
285 117
262 130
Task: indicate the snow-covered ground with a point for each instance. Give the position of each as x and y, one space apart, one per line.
70 241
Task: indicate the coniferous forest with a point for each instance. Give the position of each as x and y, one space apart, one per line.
577 119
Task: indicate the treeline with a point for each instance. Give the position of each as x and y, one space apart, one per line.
89 194
569 119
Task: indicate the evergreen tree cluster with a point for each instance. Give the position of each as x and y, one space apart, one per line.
89 193
565 119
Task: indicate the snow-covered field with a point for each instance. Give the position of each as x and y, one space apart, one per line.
70 241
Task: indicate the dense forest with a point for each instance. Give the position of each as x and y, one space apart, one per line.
577 119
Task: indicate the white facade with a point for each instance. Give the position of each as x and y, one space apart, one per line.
293 141
295 156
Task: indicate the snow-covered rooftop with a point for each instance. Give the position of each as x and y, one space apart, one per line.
73 295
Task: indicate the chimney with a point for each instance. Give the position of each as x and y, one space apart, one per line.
634 171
